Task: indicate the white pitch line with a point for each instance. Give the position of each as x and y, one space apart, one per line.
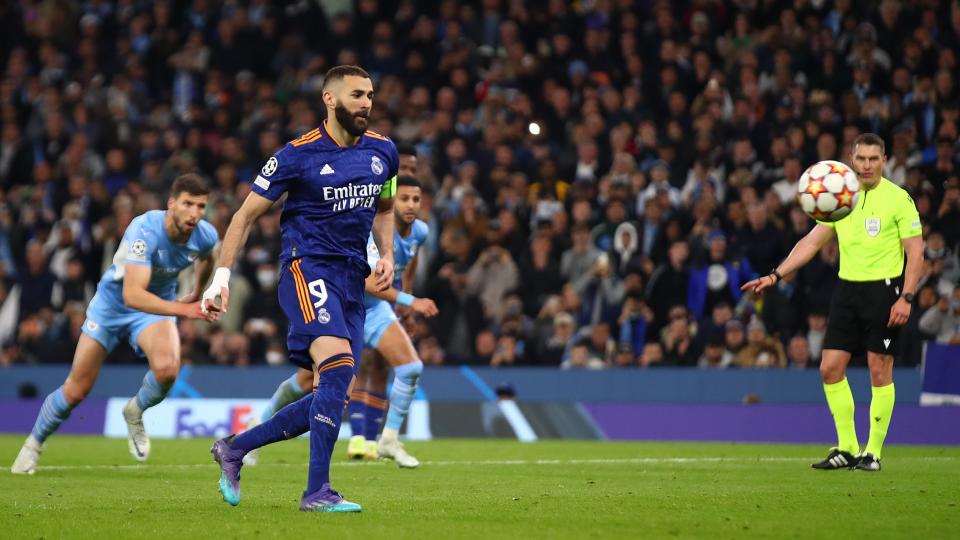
495 462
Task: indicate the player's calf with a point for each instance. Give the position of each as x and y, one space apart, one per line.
326 413
406 378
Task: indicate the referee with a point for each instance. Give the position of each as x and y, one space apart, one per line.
870 303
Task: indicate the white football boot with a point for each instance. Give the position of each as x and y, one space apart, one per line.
137 440
392 448
26 462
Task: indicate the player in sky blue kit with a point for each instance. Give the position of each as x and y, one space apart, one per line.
339 180
136 302
387 343
384 334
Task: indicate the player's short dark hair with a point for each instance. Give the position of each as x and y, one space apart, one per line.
338 73
870 139
190 183
408 181
406 149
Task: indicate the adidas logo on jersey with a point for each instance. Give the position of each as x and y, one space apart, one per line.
327 169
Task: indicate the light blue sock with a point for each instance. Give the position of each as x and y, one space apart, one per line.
405 379
54 411
152 392
288 392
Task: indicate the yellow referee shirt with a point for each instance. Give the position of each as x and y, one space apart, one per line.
870 236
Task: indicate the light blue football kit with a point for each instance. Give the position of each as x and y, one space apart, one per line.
380 313
144 243
109 320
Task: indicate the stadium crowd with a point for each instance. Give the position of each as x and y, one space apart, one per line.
599 176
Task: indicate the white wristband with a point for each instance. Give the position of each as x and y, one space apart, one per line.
221 280
221 277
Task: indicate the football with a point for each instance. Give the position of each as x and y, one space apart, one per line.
828 190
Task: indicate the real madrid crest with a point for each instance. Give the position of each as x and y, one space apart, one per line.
376 165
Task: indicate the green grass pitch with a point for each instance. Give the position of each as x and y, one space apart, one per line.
89 487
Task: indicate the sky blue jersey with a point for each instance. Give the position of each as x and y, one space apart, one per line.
404 250
145 243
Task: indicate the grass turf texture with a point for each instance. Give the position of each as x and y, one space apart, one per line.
89 487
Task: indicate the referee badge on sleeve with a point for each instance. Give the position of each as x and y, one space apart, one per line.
873 226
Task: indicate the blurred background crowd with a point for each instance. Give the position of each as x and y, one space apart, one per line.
599 177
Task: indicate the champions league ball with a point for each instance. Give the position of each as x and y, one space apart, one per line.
828 191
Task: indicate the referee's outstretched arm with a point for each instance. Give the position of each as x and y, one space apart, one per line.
806 248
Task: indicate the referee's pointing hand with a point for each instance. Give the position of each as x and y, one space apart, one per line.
760 284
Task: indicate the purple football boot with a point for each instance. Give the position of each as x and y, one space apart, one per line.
327 500
230 462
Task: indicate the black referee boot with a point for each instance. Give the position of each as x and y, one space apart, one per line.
867 462
838 459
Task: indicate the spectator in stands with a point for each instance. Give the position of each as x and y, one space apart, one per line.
762 350
491 277
578 260
505 354
603 234
650 228
563 332
717 277
680 347
714 327
625 256
660 186
36 281
713 357
734 340
798 353
817 330
764 243
16 157
782 306
581 358
943 320
652 355
668 285
539 272
602 292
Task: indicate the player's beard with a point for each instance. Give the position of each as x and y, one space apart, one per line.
349 121
183 226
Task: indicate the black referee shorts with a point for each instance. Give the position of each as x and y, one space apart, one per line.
859 312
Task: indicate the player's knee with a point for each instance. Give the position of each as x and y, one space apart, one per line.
830 373
166 372
75 391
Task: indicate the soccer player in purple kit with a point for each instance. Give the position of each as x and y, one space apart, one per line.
339 180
